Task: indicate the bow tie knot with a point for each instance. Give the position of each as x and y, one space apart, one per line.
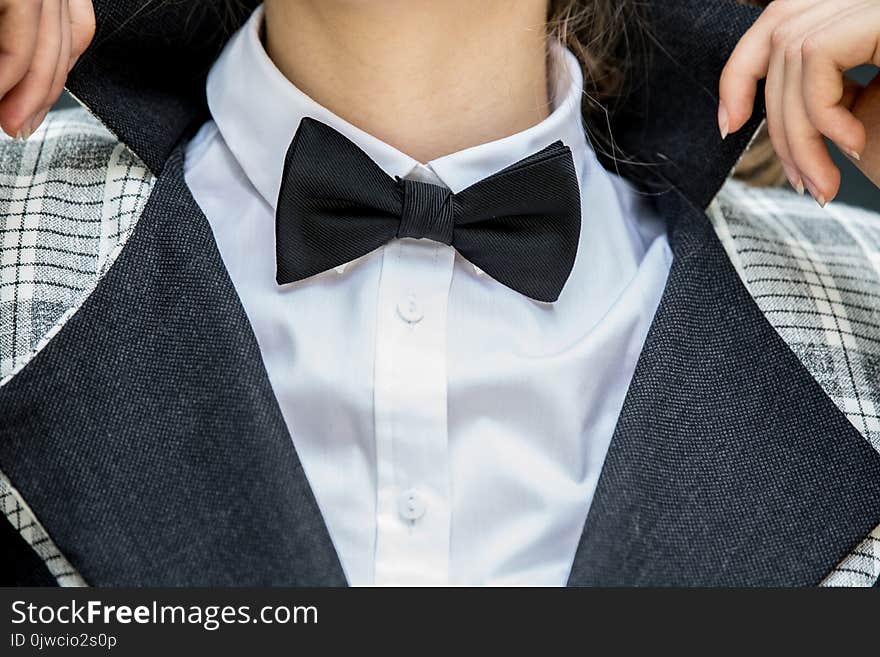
428 212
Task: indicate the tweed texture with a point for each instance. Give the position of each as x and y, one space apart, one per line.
69 199
814 274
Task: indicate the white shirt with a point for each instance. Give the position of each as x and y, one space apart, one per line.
452 430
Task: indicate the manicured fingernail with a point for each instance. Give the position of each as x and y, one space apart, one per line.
38 121
794 179
850 152
723 120
814 191
26 130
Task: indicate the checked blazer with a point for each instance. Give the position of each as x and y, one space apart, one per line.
747 452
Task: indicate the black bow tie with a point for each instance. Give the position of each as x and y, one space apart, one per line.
520 226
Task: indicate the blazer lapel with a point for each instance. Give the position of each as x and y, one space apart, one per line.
729 464
146 436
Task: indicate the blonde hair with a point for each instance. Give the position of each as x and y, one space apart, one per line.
600 34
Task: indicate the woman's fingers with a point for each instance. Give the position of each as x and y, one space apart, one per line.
78 28
82 28
773 92
803 48
40 41
805 156
807 149
750 62
23 102
19 23
61 65
852 39
785 36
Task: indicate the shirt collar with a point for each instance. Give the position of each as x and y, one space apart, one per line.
257 111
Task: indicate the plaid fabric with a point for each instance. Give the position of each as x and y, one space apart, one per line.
814 274
69 199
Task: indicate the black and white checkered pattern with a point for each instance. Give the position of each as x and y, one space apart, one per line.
69 198
815 274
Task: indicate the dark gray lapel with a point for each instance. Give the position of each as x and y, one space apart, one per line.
729 465
146 436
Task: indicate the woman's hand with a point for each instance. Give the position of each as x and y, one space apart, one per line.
40 41
802 48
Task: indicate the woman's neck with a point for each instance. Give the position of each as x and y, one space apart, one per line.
427 77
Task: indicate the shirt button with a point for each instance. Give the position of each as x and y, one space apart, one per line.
410 505
410 311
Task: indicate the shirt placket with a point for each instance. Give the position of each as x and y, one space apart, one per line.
413 492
